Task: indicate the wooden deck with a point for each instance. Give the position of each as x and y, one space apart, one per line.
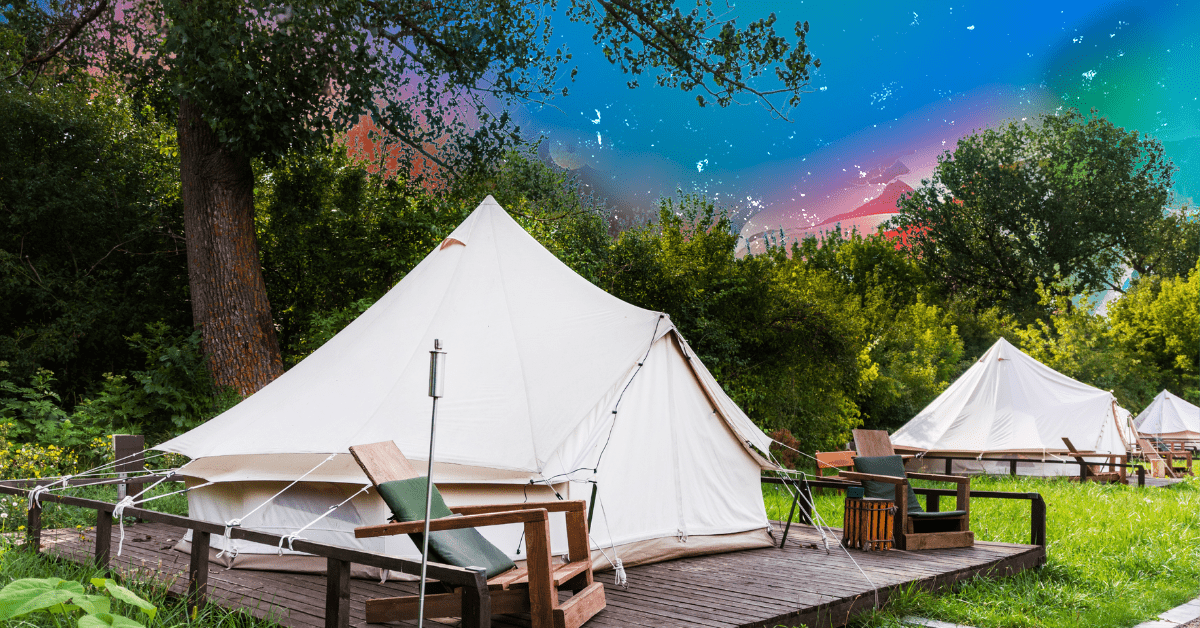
800 585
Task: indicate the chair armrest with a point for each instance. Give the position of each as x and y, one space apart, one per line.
574 505
934 477
452 523
863 477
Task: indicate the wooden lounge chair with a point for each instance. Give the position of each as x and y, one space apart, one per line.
531 589
916 529
1095 471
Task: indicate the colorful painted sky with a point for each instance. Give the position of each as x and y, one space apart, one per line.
900 82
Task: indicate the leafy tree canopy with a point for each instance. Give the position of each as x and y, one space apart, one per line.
1070 201
90 230
271 77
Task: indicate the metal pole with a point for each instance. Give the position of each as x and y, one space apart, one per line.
437 361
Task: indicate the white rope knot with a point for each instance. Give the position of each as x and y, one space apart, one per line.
119 514
289 538
35 496
229 548
621 579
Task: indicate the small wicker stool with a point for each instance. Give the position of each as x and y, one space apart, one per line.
868 523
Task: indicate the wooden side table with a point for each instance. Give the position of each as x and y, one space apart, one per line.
868 523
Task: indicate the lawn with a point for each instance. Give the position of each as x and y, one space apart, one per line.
1117 556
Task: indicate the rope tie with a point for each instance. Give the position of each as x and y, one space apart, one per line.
35 496
118 514
296 535
620 578
230 547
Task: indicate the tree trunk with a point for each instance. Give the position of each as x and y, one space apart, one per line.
229 296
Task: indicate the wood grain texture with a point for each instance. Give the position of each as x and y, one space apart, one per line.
769 587
453 523
871 443
383 462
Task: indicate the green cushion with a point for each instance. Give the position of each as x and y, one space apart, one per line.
937 515
885 465
461 548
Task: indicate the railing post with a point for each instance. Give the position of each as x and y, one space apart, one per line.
806 501
933 502
1141 473
1012 467
949 466
1037 520
33 528
337 593
1083 471
104 521
197 593
477 603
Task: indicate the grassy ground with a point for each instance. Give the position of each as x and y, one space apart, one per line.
1117 556
16 564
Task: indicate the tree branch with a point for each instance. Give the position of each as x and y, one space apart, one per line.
85 19
682 56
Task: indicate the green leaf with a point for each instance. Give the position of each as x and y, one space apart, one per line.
105 620
129 597
43 602
20 592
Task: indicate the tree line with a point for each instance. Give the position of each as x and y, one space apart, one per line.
811 338
103 327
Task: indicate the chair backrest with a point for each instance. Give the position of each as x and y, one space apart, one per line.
893 466
383 462
834 460
873 443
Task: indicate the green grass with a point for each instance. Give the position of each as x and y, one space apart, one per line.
1117 556
16 563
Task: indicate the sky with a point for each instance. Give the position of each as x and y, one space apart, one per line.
899 83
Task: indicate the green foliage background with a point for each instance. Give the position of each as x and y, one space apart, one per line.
812 339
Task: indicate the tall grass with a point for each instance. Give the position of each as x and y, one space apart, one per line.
172 611
1117 556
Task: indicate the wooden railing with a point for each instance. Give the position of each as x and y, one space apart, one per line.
1084 465
476 600
803 500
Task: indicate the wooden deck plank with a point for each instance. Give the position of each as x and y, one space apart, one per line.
764 587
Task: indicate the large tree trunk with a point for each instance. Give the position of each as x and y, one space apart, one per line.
229 297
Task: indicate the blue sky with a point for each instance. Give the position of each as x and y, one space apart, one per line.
899 83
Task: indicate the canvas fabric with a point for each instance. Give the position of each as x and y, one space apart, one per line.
1169 415
1007 401
538 361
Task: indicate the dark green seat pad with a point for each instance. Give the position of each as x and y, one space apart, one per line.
461 548
936 515
885 465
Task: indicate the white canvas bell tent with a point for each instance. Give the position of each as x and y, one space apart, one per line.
551 386
1169 416
1010 405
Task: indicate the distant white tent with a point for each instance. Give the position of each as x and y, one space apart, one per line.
1169 416
552 386
1010 405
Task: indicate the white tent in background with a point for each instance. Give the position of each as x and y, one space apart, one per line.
551 385
1010 405
1169 416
